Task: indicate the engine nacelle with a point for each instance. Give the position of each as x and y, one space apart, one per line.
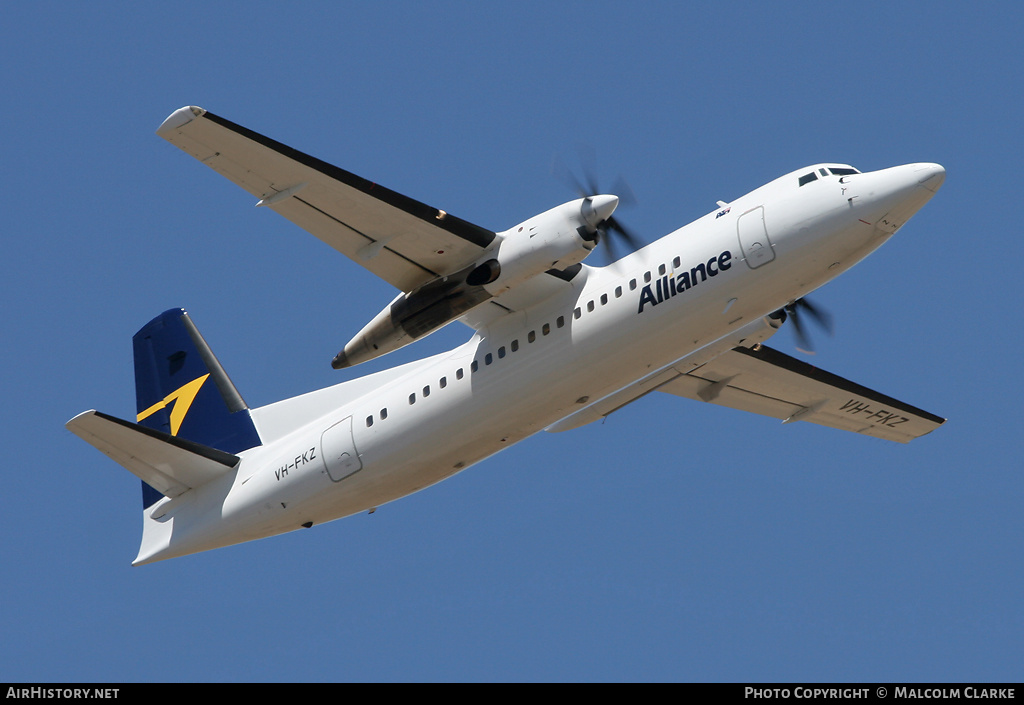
556 239
411 316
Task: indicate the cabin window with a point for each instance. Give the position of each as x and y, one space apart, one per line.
604 299
501 352
426 391
560 322
443 382
577 313
383 414
459 374
808 178
412 398
675 263
475 366
618 291
488 358
546 328
661 270
515 345
632 284
532 336
590 306
369 421
647 277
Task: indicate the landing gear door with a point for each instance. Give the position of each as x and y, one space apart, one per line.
754 242
339 451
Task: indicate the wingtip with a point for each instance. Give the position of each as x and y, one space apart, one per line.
72 423
181 116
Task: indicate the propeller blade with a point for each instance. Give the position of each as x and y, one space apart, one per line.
630 238
803 343
823 317
588 159
564 174
625 192
795 312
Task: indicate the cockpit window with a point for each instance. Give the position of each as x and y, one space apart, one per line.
808 178
843 171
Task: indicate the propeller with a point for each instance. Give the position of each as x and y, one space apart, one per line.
796 312
610 231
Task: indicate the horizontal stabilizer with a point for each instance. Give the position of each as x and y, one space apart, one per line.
169 464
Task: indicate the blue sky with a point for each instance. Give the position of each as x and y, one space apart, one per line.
676 541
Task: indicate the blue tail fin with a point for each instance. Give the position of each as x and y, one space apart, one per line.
181 389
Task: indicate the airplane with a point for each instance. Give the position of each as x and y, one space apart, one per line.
556 343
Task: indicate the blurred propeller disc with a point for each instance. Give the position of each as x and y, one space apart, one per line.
796 312
611 232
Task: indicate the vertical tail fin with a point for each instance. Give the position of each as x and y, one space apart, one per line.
181 389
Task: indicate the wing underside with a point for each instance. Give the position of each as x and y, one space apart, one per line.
768 382
401 240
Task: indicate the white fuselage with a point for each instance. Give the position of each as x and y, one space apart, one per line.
680 301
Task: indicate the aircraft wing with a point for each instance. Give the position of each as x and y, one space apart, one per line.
771 383
403 241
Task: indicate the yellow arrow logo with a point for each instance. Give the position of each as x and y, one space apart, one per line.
182 397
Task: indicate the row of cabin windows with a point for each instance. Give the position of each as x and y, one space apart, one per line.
475 365
530 338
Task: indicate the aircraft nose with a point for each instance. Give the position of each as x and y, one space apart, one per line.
930 176
895 194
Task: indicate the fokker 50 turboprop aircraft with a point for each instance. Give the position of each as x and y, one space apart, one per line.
557 343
